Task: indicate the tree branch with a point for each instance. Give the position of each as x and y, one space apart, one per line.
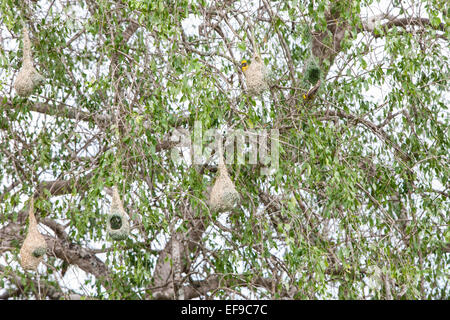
61 110
397 22
21 288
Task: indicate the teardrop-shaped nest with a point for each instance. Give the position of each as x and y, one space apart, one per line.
313 72
256 76
117 226
34 247
223 196
28 79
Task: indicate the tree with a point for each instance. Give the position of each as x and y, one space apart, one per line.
358 204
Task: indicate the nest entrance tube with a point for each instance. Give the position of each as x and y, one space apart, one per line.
223 196
34 247
256 76
28 79
118 227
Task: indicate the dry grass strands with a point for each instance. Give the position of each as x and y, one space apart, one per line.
256 76
34 247
118 226
223 196
28 78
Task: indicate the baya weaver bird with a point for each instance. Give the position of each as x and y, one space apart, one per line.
311 92
244 65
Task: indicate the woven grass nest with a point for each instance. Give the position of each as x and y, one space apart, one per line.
312 72
118 227
223 196
34 247
28 78
256 76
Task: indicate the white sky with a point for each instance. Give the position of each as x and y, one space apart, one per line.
77 279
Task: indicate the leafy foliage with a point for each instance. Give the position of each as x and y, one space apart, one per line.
357 207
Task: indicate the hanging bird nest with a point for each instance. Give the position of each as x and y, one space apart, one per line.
34 247
28 78
312 72
118 226
223 196
255 75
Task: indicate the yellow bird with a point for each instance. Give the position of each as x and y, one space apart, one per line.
311 92
244 65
